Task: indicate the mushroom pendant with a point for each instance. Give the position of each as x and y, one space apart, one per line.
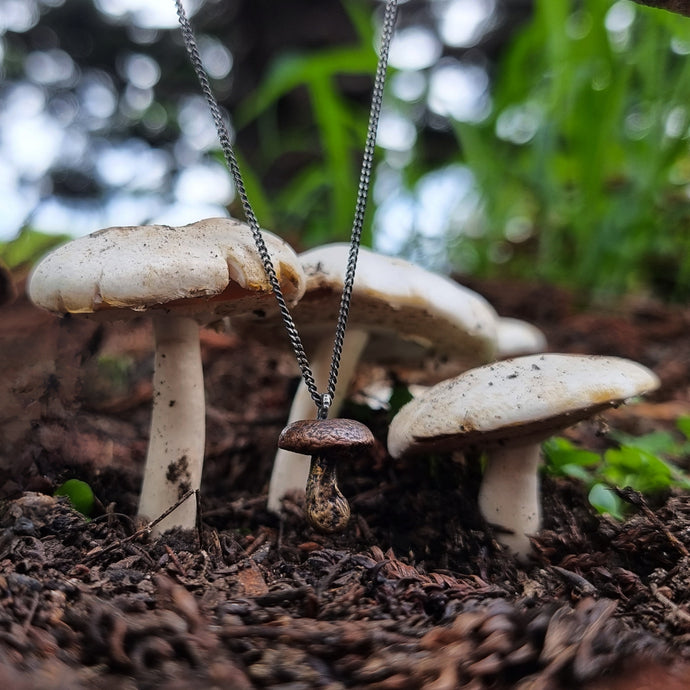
328 441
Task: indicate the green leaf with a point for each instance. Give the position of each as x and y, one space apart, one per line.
29 246
605 501
656 442
360 16
683 425
583 120
328 108
561 454
574 471
79 493
115 369
400 396
636 468
290 71
256 194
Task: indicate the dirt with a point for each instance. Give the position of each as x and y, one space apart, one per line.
417 593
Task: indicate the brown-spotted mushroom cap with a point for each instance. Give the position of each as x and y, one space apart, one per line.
333 436
507 408
182 276
399 312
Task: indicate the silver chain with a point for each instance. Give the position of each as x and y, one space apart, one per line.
322 402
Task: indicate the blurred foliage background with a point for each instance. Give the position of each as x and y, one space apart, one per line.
537 140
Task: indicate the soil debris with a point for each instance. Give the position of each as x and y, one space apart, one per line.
416 593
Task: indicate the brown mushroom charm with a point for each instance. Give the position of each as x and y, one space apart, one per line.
328 441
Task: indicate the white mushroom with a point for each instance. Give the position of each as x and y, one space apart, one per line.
507 409
399 311
185 277
517 337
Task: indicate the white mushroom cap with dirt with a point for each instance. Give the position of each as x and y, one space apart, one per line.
182 277
506 409
399 313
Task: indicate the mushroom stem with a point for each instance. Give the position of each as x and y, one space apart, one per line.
509 495
176 445
291 470
327 508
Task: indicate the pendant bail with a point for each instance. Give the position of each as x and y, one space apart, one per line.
325 405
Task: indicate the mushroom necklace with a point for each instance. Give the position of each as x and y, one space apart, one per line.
328 441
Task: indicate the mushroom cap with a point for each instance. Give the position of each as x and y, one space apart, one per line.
313 436
210 267
518 400
410 313
517 337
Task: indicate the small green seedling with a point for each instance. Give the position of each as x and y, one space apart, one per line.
567 460
642 463
116 369
80 495
606 501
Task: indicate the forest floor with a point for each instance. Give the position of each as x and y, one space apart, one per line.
415 594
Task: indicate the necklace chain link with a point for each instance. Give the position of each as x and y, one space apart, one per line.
322 401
